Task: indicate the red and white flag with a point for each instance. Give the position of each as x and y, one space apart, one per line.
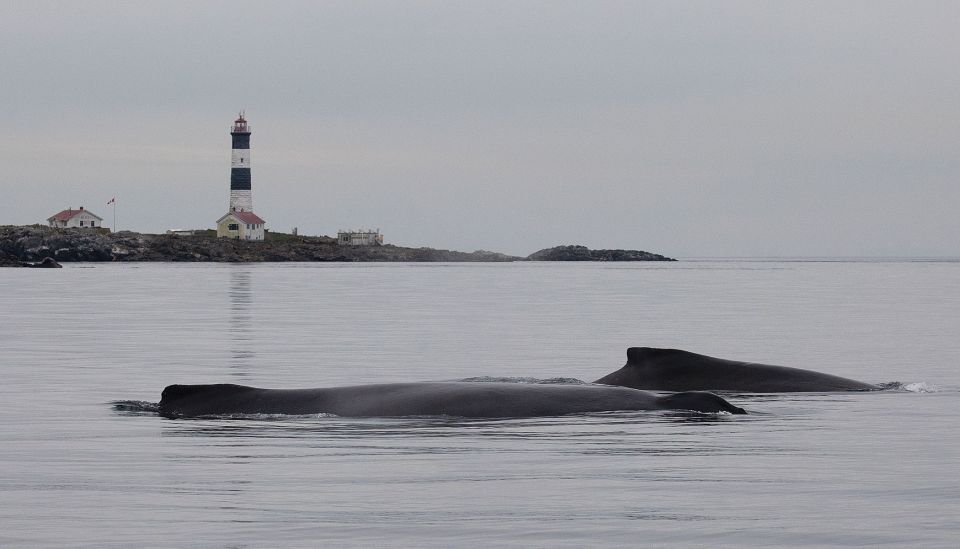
112 200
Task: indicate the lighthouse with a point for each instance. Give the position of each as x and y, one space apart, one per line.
241 195
240 222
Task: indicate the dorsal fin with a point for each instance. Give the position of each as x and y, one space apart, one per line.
639 355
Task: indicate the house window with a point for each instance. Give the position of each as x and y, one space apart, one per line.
81 223
233 227
93 223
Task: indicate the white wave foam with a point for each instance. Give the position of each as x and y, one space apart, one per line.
917 387
920 387
135 406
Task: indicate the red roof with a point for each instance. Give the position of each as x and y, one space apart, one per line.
66 215
248 217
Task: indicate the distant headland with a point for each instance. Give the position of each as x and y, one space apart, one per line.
25 245
241 236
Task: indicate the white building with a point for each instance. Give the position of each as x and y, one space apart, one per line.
362 237
71 218
240 225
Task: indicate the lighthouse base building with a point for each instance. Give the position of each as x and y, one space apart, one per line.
240 225
240 222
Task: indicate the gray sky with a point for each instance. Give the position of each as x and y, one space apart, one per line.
684 128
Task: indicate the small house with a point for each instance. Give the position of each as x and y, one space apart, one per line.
70 218
240 225
360 238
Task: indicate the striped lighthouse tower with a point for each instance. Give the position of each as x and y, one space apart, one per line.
241 194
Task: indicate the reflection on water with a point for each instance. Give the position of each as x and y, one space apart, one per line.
241 324
604 432
589 436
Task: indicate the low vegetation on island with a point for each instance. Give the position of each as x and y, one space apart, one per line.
28 245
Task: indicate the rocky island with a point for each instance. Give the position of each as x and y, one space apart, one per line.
28 245
582 253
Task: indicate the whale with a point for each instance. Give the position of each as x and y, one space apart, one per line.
460 399
677 370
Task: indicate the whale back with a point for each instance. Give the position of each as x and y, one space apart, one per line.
677 370
198 400
227 398
462 399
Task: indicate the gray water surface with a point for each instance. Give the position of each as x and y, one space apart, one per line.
800 470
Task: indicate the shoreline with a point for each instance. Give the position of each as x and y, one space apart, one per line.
22 245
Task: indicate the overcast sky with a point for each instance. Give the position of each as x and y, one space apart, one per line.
690 129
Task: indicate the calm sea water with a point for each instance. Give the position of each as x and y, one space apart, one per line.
800 470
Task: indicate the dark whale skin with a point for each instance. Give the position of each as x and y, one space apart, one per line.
676 370
461 399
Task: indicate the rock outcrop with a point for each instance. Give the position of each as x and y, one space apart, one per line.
582 253
33 243
47 263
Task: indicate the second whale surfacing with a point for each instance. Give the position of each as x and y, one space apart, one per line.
461 399
676 370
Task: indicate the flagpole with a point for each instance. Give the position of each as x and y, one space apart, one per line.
114 202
